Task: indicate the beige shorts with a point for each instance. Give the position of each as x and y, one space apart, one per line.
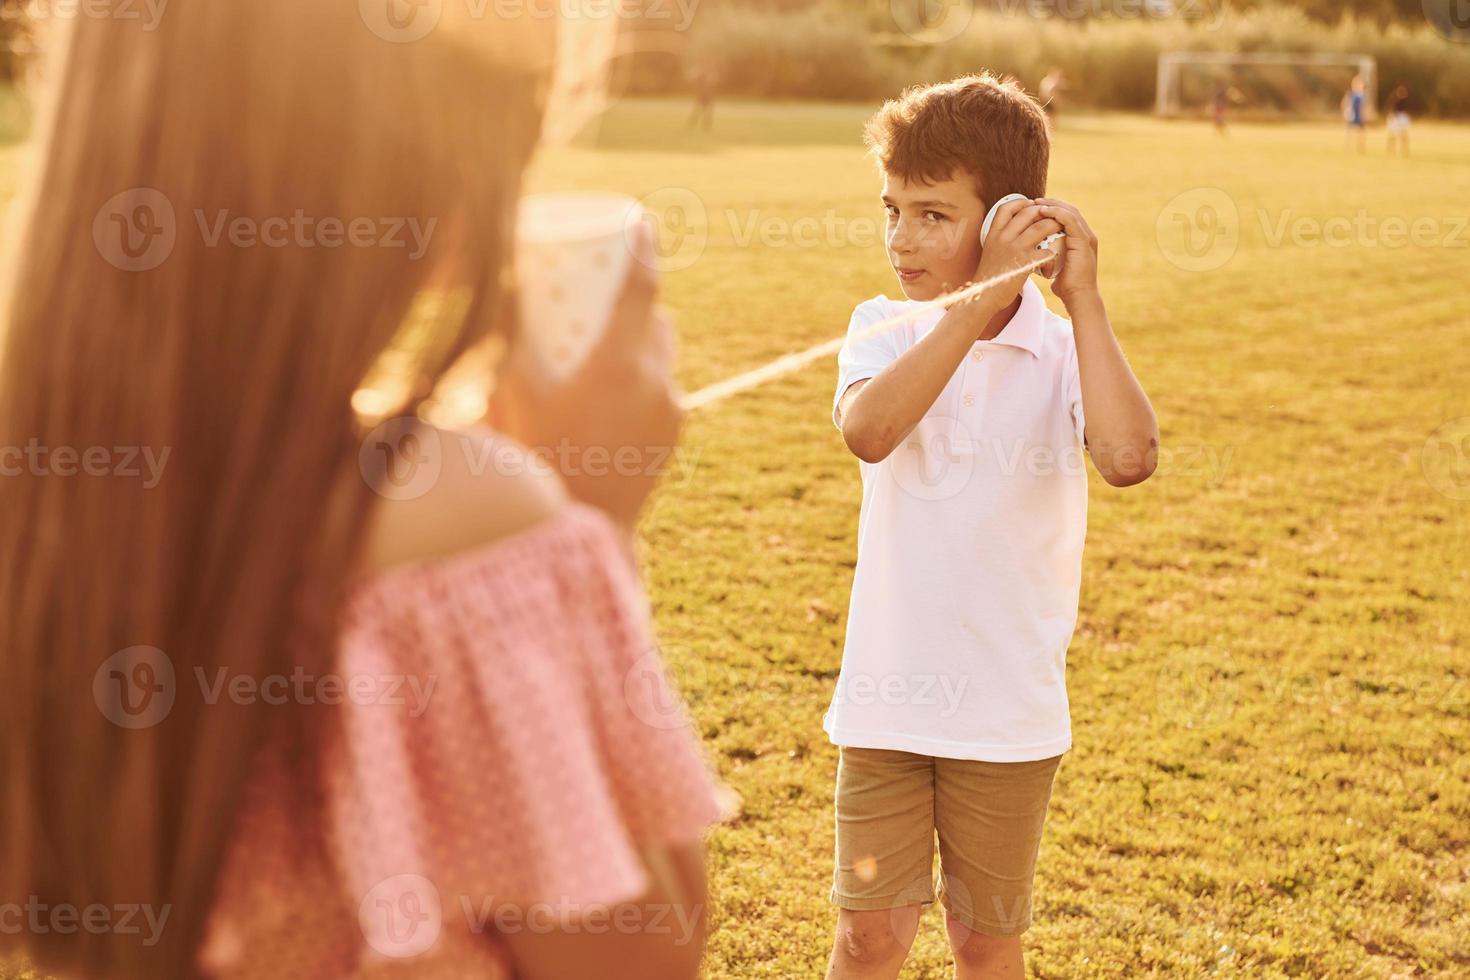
988 817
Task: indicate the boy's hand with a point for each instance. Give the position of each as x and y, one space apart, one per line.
1019 228
1077 274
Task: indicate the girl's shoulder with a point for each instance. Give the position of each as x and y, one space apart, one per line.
465 490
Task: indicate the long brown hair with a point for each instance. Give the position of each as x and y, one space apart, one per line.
208 368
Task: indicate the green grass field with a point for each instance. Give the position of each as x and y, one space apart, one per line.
1269 680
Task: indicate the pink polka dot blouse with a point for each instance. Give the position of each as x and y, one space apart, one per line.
531 746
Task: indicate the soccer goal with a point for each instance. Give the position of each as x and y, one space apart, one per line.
1302 86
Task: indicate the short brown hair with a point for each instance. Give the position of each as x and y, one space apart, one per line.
985 125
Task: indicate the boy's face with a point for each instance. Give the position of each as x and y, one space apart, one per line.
933 234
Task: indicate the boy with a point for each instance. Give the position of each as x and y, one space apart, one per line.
950 711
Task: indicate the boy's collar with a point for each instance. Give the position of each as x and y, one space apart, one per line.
1024 329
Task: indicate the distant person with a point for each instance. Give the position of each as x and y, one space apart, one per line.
703 80
1051 90
1397 110
1220 104
1354 105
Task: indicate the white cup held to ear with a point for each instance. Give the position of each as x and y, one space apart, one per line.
1049 270
995 208
574 251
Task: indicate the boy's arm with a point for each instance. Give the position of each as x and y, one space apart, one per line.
1122 431
879 412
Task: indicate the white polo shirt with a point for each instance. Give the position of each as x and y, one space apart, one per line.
969 549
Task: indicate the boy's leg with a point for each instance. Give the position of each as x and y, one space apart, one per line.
990 817
872 945
981 957
884 859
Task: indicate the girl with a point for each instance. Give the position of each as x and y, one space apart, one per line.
208 758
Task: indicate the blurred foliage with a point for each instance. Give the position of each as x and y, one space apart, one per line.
16 31
1325 11
779 48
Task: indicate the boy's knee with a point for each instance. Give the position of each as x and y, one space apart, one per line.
975 949
877 936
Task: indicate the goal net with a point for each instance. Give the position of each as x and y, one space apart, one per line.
1262 85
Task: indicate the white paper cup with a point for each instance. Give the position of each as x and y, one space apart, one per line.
574 252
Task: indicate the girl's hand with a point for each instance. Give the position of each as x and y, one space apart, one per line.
1077 274
611 428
